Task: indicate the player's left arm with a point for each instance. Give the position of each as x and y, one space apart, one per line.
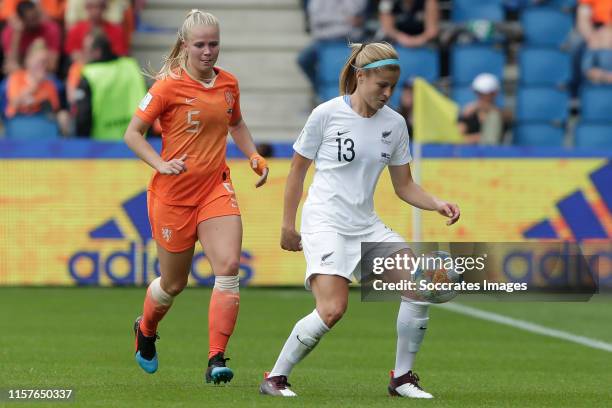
243 139
410 192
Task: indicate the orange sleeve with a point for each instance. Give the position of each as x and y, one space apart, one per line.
153 103
12 91
586 2
236 114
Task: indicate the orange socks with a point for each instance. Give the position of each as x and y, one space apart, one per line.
156 305
222 313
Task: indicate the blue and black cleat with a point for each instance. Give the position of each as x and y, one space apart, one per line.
146 355
217 372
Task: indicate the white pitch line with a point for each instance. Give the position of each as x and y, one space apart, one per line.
527 326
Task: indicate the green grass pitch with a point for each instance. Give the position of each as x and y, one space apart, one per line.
82 339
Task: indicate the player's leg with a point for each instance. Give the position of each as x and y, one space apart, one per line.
174 268
331 295
412 320
411 324
174 230
221 239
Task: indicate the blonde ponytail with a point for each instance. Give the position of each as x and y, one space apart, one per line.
362 55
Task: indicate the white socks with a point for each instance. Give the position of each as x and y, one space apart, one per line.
227 283
411 327
160 296
303 338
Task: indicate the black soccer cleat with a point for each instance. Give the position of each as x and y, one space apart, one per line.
217 372
146 355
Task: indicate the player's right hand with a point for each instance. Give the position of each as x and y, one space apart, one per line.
291 240
173 167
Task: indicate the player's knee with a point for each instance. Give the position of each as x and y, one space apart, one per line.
174 288
331 313
229 267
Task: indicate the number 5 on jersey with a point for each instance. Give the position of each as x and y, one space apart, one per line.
194 125
349 145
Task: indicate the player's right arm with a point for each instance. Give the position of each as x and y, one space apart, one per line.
135 139
290 238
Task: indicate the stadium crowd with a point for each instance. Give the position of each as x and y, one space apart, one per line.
523 72
66 68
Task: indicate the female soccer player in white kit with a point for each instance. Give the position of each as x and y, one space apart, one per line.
351 139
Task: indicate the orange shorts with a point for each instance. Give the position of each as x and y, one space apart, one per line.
175 227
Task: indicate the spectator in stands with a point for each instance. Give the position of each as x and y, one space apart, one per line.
406 102
108 93
76 10
53 9
22 30
95 20
481 122
409 23
597 60
592 14
338 20
30 91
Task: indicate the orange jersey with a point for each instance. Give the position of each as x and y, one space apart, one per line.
601 10
45 97
195 121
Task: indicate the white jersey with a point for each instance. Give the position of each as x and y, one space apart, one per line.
349 152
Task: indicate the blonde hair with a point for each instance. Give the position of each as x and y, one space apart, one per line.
361 55
176 61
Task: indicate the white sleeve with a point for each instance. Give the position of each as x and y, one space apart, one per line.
307 144
401 154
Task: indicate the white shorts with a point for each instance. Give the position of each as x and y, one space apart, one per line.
331 253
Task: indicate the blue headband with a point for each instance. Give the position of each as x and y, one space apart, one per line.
381 63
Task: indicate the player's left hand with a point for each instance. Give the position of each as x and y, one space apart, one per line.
449 210
259 166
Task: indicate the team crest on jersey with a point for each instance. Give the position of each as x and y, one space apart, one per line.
166 234
385 157
229 98
385 137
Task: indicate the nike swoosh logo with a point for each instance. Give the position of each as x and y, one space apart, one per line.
343 133
324 257
190 100
422 328
386 134
298 339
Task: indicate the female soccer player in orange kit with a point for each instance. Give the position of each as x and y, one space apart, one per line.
190 196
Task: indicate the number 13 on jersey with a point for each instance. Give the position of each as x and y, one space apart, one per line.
349 153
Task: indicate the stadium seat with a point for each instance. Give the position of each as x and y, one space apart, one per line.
538 134
542 104
545 26
332 57
463 95
468 10
415 62
328 92
565 5
467 61
544 66
596 103
594 135
31 127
